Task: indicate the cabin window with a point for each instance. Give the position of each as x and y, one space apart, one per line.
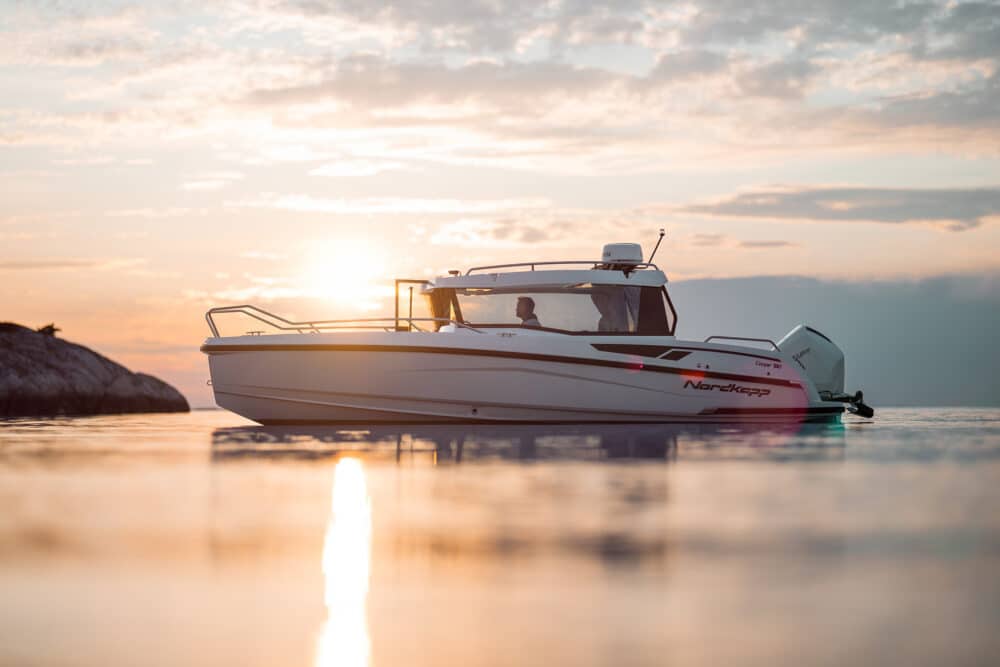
583 308
668 311
440 306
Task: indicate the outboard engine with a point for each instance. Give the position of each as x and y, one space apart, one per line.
818 356
823 363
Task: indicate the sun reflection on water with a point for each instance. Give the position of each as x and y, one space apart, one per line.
343 639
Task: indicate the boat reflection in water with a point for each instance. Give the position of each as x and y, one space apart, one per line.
466 537
347 550
484 443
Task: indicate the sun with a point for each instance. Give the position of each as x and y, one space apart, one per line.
349 273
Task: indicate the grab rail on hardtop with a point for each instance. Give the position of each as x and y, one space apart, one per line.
755 340
315 326
592 263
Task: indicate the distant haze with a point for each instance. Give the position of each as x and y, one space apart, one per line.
929 342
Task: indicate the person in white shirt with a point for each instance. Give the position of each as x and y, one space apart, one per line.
526 311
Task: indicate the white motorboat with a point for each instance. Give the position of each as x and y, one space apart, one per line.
543 342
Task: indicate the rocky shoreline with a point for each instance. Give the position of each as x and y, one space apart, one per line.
42 375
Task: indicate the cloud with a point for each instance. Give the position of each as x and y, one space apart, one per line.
502 233
971 106
66 264
193 186
708 240
767 244
721 240
729 22
687 64
96 50
245 294
264 255
93 161
527 85
967 31
956 209
64 35
215 180
141 346
781 79
372 82
18 236
354 168
157 213
577 86
480 25
392 205
44 264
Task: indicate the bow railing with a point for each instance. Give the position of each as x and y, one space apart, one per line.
316 326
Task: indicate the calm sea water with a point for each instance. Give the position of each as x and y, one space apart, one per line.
204 540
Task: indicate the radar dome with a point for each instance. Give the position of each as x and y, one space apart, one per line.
622 253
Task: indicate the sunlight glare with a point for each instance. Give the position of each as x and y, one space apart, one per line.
350 273
343 639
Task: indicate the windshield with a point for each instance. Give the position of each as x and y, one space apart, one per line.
583 308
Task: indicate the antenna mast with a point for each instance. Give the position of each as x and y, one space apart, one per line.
653 254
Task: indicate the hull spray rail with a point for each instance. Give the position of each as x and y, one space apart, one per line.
753 340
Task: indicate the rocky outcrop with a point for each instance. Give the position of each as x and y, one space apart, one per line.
41 375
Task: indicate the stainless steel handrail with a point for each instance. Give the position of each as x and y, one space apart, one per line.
755 340
592 263
315 326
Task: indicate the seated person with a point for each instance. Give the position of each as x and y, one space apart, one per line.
526 311
611 303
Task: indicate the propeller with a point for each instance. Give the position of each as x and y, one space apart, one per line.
856 405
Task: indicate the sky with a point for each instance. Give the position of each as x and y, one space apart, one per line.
161 158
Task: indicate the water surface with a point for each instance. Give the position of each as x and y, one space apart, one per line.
203 539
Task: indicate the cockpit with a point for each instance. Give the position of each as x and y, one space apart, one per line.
601 300
580 309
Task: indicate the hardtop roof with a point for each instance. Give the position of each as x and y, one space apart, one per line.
556 278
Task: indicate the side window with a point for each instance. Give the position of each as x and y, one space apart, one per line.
617 308
653 319
439 301
668 307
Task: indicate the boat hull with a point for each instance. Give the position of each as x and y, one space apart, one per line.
412 378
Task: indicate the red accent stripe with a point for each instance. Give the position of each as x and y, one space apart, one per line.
216 349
